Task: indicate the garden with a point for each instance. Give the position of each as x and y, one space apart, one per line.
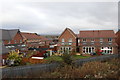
96 69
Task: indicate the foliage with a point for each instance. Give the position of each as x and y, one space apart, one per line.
30 53
15 57
96 69
51 59
67 58
75 57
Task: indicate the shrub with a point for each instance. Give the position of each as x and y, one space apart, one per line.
15 57
67 59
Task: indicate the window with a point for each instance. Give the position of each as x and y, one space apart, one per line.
70 41
9 42
92 40
69 49
92 43
20 41
101 39
84 40
63 41
78 40
110 39
14 41
88 50
107 50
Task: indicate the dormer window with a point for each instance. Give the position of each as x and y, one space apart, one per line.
84 40
109 39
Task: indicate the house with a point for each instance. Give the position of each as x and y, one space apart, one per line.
34 40
90 41
53 39
44 41
118 40
12 39
67 41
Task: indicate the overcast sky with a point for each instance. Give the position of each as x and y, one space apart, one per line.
54 17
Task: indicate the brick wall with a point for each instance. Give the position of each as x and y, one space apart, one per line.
16 39
67 35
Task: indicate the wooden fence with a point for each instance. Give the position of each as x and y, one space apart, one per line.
33 61
35 69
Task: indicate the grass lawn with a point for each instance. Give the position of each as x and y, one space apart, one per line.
59 58
75 57
54 59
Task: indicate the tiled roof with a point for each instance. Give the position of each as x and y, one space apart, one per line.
8 34
69 31
72 32
32 36
97 33
77 35
43 38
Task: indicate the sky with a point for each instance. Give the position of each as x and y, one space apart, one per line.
53 17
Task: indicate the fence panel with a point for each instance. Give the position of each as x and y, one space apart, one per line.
22 71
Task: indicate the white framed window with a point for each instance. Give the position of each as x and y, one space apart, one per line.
107 50
101 39
109 39
63 41
88 49
70 41
15 41
20 41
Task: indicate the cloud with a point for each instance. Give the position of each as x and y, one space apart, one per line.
54 17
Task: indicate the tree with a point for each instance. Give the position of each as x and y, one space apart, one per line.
14 57
67 58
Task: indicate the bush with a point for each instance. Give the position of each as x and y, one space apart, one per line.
15 57
67 59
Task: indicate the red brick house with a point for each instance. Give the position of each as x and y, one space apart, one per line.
67 41
87 42
118 40
34 40
12 39
91 41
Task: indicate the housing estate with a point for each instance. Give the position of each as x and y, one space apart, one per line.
89 41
